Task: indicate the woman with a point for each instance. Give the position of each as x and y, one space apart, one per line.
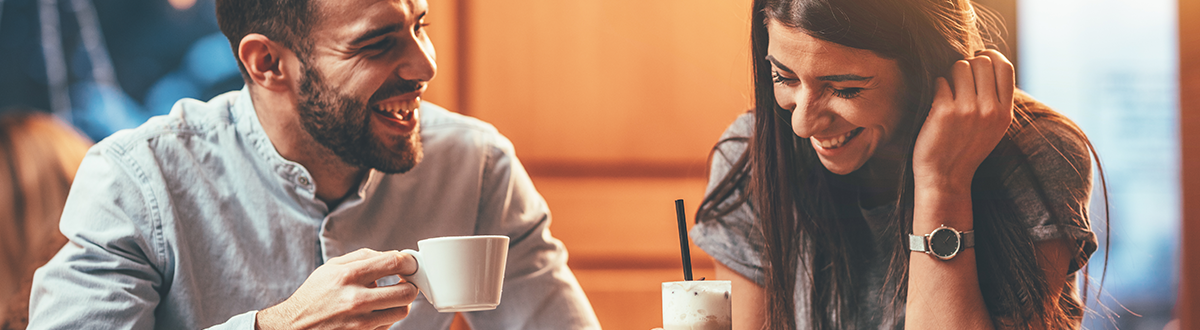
38 159
891 176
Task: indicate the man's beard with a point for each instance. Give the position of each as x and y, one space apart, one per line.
343 124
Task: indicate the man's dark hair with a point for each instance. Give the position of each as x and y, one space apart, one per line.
287 22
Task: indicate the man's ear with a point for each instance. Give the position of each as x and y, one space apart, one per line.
264 62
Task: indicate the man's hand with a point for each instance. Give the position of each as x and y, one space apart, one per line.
341 294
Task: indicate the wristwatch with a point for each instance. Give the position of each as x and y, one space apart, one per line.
943 243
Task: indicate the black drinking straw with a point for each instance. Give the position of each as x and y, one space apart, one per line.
683 240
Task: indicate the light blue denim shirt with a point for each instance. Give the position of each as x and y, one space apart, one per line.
193 220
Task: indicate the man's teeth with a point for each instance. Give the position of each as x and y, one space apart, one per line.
836 142
399 109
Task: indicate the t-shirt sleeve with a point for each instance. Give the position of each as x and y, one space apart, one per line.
731 239
1053 188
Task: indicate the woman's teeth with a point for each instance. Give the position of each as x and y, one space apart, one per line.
399 109
839 141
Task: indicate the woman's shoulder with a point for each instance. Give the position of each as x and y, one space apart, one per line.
734 140
742 126
1053 144
1051 184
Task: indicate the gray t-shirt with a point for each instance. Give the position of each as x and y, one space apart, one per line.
1059 167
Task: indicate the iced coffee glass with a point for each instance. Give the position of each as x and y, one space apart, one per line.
696 305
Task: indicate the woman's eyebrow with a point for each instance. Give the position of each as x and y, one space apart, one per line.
833 78
779 65
844 77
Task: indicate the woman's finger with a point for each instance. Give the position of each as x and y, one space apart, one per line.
1005 75
985 80
964 81
942 93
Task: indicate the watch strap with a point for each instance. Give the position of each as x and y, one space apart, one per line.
917 243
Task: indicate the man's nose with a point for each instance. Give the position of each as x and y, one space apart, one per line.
419 61
809 113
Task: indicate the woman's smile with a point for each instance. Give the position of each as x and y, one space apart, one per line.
836 141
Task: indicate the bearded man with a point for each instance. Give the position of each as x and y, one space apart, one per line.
268 208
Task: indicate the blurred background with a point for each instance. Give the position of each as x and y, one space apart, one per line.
613 106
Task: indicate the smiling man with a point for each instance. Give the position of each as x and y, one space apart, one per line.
278 206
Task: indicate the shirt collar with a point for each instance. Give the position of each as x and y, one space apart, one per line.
243 109
256 137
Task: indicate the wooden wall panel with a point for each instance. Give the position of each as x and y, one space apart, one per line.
612 106
1188 308
444 31
608 81
621 223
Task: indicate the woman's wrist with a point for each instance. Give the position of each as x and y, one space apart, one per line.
940 203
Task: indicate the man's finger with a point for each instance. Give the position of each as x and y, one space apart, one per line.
401 294
387 317
359 254
383 264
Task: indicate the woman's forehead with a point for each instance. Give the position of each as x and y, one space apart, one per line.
805 54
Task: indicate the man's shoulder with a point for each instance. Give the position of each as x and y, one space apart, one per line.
440 124
187 117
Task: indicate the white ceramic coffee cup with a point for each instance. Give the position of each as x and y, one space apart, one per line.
697 305
460 273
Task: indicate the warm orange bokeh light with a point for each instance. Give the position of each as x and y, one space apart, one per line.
182 4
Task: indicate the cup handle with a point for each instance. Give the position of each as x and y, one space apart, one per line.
419 278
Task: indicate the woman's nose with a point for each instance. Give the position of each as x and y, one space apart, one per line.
809 114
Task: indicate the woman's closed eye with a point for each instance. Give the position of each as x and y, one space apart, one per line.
847 93
780 79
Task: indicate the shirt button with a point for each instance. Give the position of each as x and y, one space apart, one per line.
304 180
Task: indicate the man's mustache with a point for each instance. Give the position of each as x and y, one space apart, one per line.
395 88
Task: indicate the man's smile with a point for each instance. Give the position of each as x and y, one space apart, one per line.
399 107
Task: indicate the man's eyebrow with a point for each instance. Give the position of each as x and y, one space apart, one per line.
383 30
375 33
779 65
844 77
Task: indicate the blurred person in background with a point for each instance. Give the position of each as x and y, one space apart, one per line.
39 155
280 205
892 176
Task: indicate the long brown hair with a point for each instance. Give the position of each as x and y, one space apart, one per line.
804 210
39 155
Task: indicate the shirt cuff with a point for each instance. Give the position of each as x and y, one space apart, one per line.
243 321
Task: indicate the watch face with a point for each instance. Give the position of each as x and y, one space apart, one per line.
943 243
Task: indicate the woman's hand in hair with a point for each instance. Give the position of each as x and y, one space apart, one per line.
970 115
